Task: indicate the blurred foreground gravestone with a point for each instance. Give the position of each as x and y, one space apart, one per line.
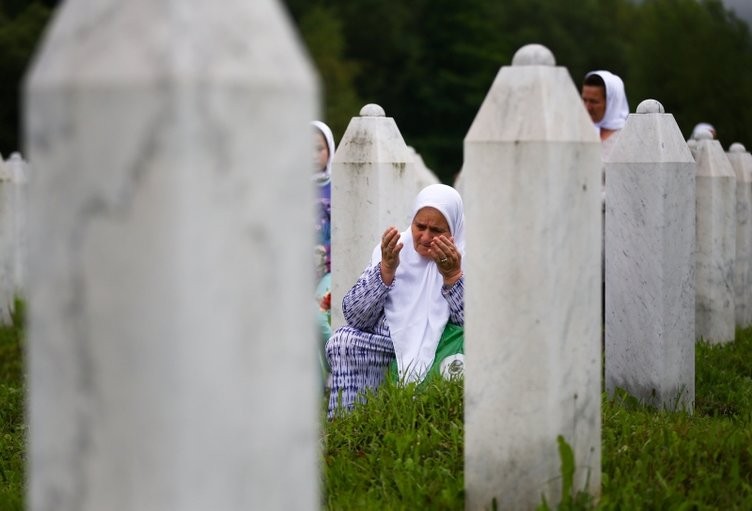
172 358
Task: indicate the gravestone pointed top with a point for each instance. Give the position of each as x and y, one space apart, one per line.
736 147
650 106
372 110
704 135
533 55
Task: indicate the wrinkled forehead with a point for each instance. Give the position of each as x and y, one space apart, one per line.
432 215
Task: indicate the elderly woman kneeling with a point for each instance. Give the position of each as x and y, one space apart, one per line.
403 301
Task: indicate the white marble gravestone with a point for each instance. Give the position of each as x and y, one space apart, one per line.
459 182
716 247
172 352
650 243
741 161
19 174
692 146
533 291
373 187
423 175
7 242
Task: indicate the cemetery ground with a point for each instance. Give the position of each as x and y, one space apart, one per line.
403 449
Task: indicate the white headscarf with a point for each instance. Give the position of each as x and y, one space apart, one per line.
416 311
323 176
617 108
700 127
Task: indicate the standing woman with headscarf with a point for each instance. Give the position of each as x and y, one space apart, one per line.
403 301
323 153
606 102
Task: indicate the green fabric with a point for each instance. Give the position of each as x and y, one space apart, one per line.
452 342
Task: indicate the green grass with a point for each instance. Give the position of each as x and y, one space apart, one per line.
396 452
12 428
403 448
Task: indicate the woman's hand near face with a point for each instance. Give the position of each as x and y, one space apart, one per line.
390 249
448 258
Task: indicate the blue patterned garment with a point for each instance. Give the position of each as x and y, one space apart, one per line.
323 229
359 353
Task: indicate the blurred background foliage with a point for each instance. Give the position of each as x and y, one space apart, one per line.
21 24
429 63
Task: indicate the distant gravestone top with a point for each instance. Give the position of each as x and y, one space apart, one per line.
650 106
372 110
5 172
704 135
15 159
736 147
533 55
17 166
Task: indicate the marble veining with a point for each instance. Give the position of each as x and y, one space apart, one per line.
158 193
650 286
716 244
741 161
374 184
531 177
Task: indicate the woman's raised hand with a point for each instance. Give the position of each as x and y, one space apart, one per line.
390 249
447 257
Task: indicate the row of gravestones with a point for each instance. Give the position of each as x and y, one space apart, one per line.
724 238
677 256
661 293
171 354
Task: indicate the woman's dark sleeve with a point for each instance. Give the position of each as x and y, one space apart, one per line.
363 304
455 296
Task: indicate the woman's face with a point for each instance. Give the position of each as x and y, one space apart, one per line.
320 151
595 101
427 224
